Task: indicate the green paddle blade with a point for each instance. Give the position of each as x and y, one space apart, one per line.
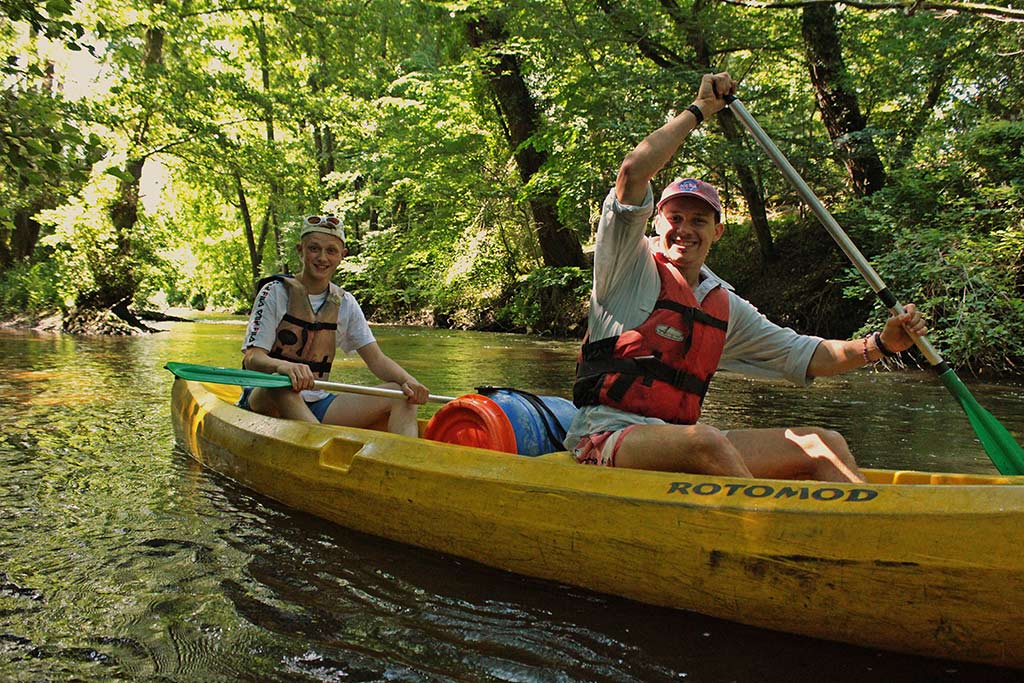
1004 451
236 376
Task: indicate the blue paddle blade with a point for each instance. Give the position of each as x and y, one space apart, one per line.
1004 451
235 376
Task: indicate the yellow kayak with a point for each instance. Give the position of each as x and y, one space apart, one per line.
923 563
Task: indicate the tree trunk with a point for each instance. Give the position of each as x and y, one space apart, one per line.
270 218
113 293
837 101
938 78
124 215
255 250
26 232
559 246
328 150
20 242
750 187
689 24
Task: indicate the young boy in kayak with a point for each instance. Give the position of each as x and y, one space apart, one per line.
295 326
661 323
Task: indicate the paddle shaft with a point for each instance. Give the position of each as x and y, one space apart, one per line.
254 378
375 391
838 234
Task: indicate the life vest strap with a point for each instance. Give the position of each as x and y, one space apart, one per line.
307 325
647 369
694 315
599 350
322 368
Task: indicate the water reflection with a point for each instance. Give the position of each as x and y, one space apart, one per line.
905 420
122 559
359 606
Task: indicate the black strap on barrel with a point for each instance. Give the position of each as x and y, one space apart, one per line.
556 435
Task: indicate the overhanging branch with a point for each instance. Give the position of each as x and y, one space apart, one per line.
908 7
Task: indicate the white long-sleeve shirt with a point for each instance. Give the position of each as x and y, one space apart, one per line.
626 288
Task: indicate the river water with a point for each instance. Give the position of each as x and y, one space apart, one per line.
123 560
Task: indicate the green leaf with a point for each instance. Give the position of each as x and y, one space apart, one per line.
121 174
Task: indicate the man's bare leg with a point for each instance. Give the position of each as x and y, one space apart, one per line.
699 449
797 453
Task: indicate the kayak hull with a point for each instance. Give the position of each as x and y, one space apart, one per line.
929 564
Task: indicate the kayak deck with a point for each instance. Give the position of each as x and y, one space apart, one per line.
230 394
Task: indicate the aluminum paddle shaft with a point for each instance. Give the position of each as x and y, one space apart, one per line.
838 234
253 378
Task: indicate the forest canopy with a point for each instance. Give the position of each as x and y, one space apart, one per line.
166 151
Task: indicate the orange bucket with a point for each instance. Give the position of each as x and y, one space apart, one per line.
473 420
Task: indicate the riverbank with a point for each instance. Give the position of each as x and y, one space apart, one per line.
109 325
53 322
804 291
49 322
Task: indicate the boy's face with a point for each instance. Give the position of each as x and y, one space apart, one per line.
321 254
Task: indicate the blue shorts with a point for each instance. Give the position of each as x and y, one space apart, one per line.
319 408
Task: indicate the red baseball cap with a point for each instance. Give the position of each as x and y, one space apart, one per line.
692 187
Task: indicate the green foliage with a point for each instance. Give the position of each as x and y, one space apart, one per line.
998 150
89 254
455 282
377 112
30 289
204 264
548 301
955 246
49 19
45 153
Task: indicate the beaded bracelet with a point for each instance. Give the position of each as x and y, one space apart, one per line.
864 352
882 347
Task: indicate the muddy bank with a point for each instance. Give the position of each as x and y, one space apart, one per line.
92 323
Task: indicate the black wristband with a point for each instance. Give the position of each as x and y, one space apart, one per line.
697 113
881 347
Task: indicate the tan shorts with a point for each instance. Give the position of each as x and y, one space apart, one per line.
600 448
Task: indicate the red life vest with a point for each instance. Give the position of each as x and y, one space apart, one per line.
663 367
305 336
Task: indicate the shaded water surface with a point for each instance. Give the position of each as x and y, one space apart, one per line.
121 559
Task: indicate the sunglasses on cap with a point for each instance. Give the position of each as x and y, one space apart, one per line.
332 221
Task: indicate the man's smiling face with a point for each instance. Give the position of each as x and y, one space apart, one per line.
687 227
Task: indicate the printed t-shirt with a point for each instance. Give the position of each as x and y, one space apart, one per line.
271 304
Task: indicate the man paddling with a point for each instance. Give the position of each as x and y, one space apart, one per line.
294 328
661 323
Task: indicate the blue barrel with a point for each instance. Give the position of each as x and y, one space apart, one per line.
539 422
